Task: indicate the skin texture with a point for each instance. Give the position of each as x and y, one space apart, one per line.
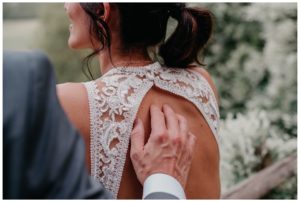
169 148
203 180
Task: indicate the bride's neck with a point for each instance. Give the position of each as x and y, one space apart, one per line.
117 57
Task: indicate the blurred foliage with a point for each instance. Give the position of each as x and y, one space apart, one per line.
18 34
21 10
54 40
252 58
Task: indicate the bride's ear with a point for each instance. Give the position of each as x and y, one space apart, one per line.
106 14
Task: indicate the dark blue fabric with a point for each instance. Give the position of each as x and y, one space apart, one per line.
43 155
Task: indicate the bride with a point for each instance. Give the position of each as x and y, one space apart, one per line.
121 34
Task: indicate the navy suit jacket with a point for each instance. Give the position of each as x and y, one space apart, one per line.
43 155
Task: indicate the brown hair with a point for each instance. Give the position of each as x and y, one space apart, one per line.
144 24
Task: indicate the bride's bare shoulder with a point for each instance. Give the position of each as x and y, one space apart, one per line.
73 99
70 93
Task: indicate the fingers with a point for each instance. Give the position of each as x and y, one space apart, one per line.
137 138
158 125
186 156
183 127
184 136
171 120
191 142
189 151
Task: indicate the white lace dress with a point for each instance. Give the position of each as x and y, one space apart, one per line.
113 109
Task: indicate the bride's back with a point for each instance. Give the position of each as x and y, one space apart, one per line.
104 110
123 93
104 114
203 181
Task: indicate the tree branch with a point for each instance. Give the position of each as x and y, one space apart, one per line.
261 183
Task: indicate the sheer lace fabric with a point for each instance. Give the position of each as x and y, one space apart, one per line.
114 100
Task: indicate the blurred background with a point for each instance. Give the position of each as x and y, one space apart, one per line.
252 59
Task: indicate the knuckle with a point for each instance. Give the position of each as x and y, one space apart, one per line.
158 132
134 156
147 154
163 135
160 139
177 140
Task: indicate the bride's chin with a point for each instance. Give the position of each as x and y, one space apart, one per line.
73 44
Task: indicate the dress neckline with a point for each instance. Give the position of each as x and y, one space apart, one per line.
152 66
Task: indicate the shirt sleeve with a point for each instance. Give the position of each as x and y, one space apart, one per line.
162 183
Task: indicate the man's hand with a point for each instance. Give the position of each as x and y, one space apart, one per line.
169 149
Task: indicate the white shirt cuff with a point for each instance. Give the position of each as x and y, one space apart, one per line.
163 183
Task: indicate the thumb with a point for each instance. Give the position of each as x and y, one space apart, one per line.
137 136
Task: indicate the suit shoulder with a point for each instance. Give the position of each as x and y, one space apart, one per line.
44 63
27 61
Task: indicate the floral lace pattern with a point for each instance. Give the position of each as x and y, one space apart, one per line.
114 100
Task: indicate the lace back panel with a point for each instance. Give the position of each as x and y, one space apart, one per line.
114 100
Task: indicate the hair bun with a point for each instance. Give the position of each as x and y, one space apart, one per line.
176 10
